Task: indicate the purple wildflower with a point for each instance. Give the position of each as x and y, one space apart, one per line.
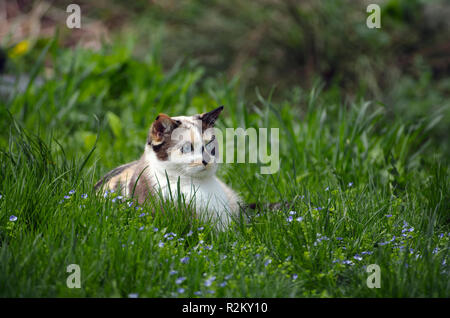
209 281
184 260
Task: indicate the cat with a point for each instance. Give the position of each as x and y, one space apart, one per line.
179 149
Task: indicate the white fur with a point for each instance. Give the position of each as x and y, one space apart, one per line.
213 199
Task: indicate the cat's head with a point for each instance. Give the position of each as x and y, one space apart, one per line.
185 145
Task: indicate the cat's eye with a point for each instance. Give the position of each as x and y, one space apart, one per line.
210 148
187 148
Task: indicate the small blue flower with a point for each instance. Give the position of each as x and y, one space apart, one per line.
435 250
268 262
257 255
179 280
348 262
180 290
208 247
327 188
133 295
292 213
189 233
130 203
294 277
223 284
201 228
119 197
1 196
184 260
114 200
84 196
339 238
299 219
389 215
71 192
67 197
13 218
173 272
155 229
105 195
209 281
141 228
289 219
142 214
441 235
197 293
357 257
366 253
350 184
161 244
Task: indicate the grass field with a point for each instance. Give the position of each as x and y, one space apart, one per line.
365 187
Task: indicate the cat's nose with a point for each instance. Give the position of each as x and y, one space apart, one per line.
204 163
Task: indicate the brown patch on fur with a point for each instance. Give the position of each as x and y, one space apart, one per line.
208 119
112 179
159 136
139 186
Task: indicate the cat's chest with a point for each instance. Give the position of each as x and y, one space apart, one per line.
207 194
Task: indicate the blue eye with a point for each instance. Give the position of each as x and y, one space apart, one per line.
211 148
187 147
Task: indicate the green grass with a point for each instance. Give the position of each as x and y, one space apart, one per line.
344 170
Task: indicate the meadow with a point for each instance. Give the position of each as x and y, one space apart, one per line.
361 187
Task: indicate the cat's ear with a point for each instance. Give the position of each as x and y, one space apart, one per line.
208 119
161 129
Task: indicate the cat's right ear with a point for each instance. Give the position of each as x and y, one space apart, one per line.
161 129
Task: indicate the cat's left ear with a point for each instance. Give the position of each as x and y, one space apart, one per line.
208 119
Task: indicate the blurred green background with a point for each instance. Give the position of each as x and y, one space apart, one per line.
282 46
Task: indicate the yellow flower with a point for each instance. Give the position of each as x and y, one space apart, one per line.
20 49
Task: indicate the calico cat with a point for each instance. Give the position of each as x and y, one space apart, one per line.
183 149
